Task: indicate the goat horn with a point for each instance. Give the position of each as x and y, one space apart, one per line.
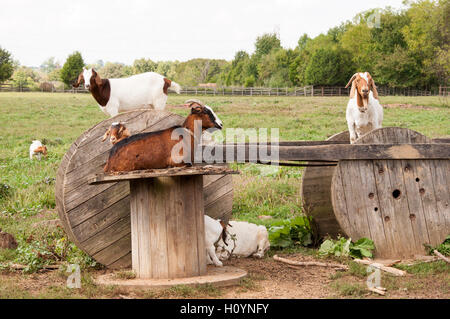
194 101
351 80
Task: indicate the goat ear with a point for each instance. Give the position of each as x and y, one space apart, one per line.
97 78
373 87
121 129
126 133
106 134
79 79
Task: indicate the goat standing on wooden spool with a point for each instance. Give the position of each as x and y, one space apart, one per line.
364 111
153 150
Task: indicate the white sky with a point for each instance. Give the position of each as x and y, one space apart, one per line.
122 31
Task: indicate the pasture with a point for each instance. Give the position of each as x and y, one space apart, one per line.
27 192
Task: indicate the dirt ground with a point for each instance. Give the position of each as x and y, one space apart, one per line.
267 279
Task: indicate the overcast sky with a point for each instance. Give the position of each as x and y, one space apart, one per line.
122 31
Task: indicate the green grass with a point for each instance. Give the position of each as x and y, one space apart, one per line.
58 120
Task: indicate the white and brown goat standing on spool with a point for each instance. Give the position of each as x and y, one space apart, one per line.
364 111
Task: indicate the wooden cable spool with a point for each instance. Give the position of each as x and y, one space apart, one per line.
316 195
97 217
399 204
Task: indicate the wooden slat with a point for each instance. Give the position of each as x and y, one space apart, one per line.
174 171
336 152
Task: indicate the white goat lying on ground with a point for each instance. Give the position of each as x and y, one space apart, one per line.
240 239
213 234
243 239
364 111
145 90
37 150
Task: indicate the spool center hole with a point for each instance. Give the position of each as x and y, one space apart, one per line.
396 193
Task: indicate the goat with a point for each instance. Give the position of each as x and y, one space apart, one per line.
135 92
364 111
154 149
243 240
117 132
215 231
37 150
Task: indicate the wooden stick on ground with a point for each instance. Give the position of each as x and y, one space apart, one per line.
441 256
394 271
21 267
309 263
378 290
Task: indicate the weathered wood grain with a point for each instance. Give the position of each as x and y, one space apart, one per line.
401 204
316 194
89 212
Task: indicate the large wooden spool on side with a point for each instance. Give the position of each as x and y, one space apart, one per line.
316 195
400 204
97 217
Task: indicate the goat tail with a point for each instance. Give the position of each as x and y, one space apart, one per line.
175 87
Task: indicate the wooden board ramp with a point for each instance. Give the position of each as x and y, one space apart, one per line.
401 204
97 217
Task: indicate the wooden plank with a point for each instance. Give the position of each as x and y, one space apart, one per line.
200 222
97 204
123 262
339 201
355 211
150 173
221 208
107 237
370 204
108 216
144 212
191 254
337 152
434 220
401 217
387 210
134 223
159 193
440 172
176 244
115 251
417 216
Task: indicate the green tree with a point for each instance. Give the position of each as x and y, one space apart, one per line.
266 43
144 65
6 65
25 77
115 70
72 68
49 65
328 67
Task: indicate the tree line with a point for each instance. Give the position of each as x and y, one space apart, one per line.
400 48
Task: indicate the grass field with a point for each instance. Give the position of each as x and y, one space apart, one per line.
58 119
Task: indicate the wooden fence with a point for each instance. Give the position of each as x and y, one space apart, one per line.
263 91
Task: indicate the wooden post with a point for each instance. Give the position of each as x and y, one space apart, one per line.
167 227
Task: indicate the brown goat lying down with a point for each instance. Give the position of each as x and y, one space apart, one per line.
154 149
117 132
